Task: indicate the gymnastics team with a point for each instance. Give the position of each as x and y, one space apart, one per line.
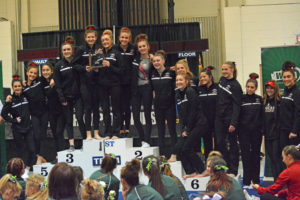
125 78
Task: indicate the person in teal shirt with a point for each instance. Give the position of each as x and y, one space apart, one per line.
105 174
164 185
166 170
131 189
220 181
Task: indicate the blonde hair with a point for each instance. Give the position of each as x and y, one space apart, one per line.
186 66
215 153
37 182
9 182
91 190
125 30
107 32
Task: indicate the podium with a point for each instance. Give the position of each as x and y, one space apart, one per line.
93 151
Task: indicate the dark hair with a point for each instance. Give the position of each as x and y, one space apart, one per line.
15 166
49 65
91 29
78 175
232 65
62 181
219 177
16 78
151 167
109 163
289 66
253 76
207 70
130 173
292 150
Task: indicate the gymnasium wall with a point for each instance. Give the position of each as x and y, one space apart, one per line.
250 27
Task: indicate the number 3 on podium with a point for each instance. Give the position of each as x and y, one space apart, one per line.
70 158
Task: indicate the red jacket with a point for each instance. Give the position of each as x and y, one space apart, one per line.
289 177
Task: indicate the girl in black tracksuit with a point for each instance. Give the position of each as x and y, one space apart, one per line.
162 81
289 107
127 52
227 114
271 126
141 89
54 107
193 125
109 80
67 86
33 90
250 131
207 92
16 111
86 55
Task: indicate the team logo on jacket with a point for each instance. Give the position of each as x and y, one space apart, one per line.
290 95
228 87
215 91
269 108
257 100
167 74
112 55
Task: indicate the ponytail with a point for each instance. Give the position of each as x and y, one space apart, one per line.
252 79
130 173
151 168
232 65
109 163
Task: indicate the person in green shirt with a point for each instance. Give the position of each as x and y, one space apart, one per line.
16 167
105 174
221 182
131 189
166 170
164 185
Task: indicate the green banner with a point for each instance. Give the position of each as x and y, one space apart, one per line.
2 132
272 59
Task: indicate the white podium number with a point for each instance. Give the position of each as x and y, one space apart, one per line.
44 171
70 158
195 184
138 155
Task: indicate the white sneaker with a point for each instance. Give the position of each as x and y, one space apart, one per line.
145 145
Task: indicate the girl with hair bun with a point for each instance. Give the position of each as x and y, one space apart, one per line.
289 178
228 107
289 107
10 189
250 131
92 190
131 188
16 111
109 81
36 187
272 99
141 88
105 174
66 78
207 91
164 185
87 54
127 51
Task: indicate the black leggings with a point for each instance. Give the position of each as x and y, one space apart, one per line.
285 141
91 99
226 143
250 142
39 128
144 95
57 125
161 115
113 93
25 138
125 106
185 148
68 111
274 153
